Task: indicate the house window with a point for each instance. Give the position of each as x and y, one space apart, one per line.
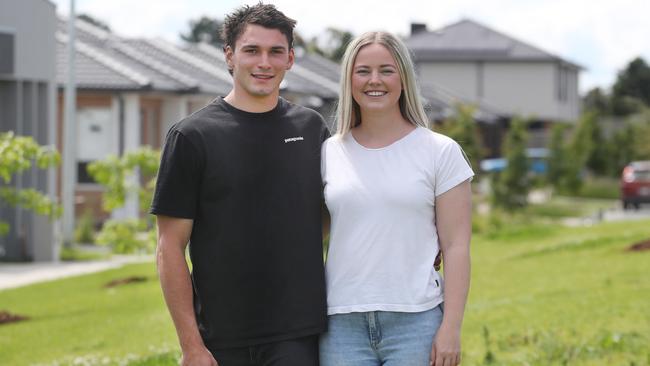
95 139
82 173
562 83
7 52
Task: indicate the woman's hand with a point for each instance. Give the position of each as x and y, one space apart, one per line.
445 350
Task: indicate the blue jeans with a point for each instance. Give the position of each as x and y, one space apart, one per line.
380 338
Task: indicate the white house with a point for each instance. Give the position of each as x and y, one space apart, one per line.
28 107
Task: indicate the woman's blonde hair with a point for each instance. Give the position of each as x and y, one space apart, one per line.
348 113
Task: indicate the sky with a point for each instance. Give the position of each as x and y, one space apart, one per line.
602 36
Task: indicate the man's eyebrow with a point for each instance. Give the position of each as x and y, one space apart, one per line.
254 46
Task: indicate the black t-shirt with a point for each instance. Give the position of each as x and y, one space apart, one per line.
251 182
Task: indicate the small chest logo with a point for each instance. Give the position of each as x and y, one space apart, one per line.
293 139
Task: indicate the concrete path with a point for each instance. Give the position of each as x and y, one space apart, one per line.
20 274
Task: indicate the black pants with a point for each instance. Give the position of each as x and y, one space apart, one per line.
294 352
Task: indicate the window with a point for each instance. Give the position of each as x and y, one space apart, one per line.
82 173
94 138
6 53
562 83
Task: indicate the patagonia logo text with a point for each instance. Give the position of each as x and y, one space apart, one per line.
293 139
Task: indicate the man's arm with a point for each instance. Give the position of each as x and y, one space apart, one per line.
173 237
453 221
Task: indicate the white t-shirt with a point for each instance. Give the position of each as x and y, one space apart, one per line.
383 238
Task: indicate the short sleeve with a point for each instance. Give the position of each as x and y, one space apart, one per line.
452 168
179 178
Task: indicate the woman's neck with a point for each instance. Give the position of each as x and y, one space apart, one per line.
379 129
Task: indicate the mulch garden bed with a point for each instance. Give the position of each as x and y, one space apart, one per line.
7 317
125 281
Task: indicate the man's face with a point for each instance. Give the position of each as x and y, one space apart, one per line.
259 60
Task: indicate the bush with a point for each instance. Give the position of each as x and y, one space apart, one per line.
85 230
17 154
600 188
117 174
127 236
510 187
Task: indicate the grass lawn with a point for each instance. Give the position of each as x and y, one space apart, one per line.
548 295
78 321
541 295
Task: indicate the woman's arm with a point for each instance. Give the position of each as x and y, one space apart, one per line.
453 221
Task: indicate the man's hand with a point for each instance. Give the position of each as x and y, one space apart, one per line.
438 261
446 348
199 356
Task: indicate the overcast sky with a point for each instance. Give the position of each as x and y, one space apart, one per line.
600 35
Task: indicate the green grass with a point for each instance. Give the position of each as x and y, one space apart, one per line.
561 296
560 207
78 319
81 254
541 294
601 187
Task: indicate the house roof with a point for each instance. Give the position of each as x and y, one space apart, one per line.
103 56
105 60
440 103
95 70
468 40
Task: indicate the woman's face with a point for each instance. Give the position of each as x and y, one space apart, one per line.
376 83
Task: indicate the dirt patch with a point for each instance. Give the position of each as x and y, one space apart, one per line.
640 246
125 281
7 317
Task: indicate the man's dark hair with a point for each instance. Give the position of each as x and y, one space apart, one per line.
265 15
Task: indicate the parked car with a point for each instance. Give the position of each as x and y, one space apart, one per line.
536 157
635 184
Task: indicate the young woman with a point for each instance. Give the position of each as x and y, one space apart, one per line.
397 194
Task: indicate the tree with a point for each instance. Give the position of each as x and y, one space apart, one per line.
17 154
632 84
557 159
581 149
204 29
596 100
621 149
336 43
462 128
117 175
597 159
642 137
510 187
634 81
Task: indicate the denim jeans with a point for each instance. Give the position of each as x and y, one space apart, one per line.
380 338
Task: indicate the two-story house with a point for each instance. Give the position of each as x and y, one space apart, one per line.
490 68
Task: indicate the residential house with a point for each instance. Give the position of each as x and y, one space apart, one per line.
489 68
28 107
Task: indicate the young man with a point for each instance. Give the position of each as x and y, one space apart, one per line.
240 180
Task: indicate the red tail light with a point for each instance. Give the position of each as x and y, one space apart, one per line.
628 174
